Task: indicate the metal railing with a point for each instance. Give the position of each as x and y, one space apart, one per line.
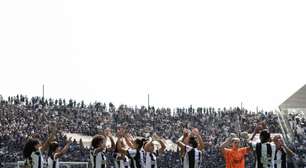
65 164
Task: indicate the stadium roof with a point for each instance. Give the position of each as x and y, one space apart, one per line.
296 101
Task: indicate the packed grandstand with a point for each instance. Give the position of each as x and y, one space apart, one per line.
22 117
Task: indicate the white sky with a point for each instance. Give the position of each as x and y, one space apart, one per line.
205 53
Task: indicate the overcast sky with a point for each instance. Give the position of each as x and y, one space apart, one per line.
204 53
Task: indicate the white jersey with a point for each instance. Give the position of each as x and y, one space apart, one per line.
280 160
137 158
98 160
121 163
265 154
192 158
151 159
36 160
53 163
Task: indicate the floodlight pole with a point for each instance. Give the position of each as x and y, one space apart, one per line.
43 91
148 101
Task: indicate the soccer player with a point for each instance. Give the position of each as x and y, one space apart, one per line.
234 156
192 150
185 140
55 153
264 150
151 154
121 160
99 149
32 152
135 152
282 151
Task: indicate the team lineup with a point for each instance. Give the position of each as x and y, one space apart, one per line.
130 152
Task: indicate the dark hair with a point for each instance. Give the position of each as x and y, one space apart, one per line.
265 136
29 147
52 148
140 143
193 142
96 141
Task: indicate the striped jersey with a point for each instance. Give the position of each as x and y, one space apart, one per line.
98 160
35 160
137 158
192 158
265 154
280 160
121 161
53 163
151 159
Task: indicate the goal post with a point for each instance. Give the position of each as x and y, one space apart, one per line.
20 164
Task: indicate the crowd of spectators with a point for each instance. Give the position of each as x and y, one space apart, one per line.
21 117
297 124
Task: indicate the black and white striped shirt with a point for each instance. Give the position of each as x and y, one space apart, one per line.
280 160
137 158
36 160
121 161
98 160
151 159
265 154
53 163
192 158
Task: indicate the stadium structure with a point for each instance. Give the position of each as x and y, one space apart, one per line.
294 105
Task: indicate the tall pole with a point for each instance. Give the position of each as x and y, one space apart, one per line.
241 106
238 119
148 101
43 91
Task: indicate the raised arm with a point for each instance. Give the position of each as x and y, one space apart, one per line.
110 136
186 135
200 141
185 140
146 146
181 145
64 150
224 145
163 146
257 129
45 145
120 147
253 136
155 137
113 144
287 149
129 141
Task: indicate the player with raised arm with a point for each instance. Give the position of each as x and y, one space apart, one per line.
55 152
98 149
32 152
152 153
134 152
234 156
265 149
193 150
281 153
121 160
